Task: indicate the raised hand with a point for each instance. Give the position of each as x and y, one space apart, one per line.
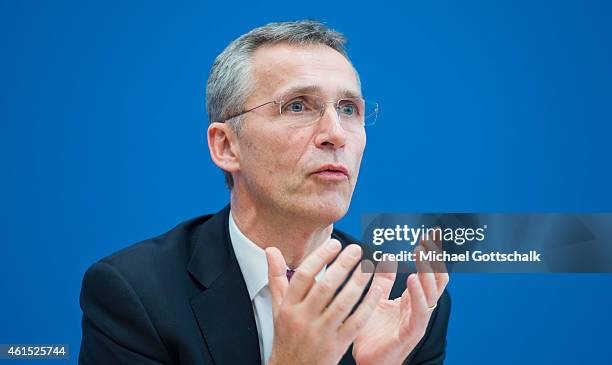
397 325
311 326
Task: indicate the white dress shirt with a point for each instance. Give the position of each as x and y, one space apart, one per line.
254 267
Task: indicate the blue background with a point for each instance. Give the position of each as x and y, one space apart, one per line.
486 106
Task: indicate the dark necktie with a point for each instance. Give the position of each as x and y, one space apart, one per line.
290 274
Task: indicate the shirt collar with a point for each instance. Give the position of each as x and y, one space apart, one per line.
252 260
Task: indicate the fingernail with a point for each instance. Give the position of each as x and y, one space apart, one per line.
332 245
354 251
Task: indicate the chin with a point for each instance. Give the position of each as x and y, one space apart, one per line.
328 210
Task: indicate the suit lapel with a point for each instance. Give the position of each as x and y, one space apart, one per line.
223 308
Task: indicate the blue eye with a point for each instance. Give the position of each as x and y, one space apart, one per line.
296 107
348 109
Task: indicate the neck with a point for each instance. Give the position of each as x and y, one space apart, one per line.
295 236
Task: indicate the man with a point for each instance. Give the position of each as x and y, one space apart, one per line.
268 279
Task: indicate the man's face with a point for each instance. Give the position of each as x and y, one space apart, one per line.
297 169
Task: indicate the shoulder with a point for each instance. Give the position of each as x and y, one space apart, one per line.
173 245
127 294
146 269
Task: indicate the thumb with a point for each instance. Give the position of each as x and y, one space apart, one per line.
277 276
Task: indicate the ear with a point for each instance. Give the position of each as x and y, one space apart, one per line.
223 147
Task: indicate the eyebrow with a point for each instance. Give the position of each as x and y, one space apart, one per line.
309 89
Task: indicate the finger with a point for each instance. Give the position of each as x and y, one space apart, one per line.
324 290
277 276
419 312
427 278
429 286
436 237
384 278
350 329
421 264
304 276
343 303
441 282
437 266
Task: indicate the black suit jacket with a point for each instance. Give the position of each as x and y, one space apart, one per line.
180 298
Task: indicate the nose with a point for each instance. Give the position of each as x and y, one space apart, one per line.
330 133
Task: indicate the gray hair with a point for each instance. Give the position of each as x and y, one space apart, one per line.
229 81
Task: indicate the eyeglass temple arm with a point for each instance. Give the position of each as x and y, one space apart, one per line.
244 112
